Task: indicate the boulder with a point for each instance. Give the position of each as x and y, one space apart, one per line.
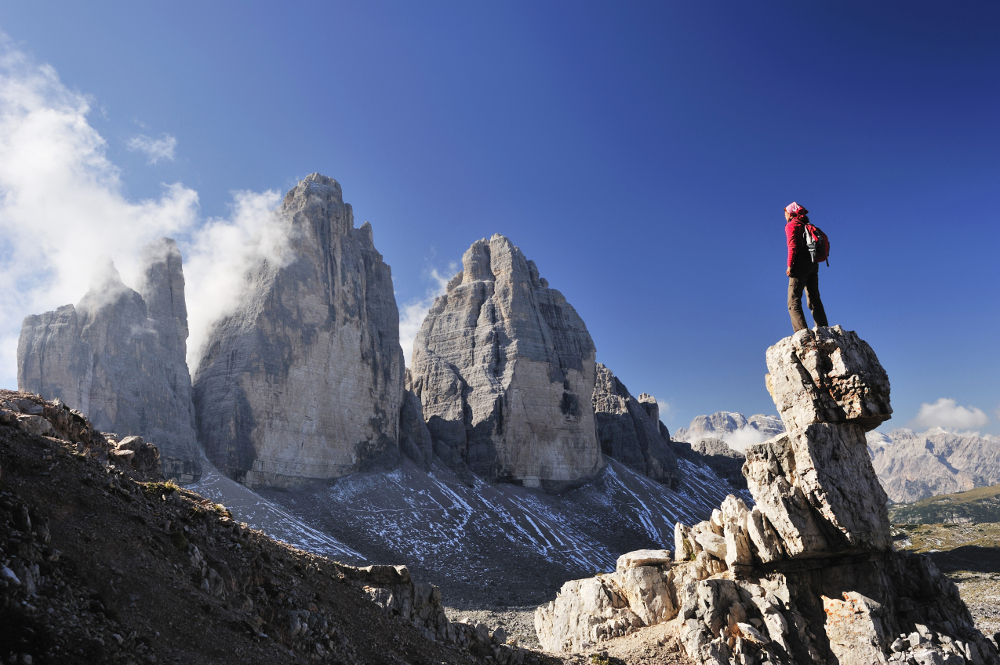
829 375
118 357
304 380
589 611
142 456
643 558
629 431
504 369
818 490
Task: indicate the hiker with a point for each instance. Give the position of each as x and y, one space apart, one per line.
802 270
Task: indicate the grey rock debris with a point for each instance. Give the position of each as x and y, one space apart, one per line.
118 357
504 369
304 380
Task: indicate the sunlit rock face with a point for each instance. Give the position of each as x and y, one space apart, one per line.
815 483
119 357
805 575
504 368
304 380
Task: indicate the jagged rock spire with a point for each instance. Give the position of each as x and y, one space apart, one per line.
305 379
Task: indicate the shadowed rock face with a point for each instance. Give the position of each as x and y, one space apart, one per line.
305 379
119 357
504 368
629 429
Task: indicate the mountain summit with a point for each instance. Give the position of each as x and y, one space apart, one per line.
505 369
305 379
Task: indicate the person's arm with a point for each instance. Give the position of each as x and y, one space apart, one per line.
792 238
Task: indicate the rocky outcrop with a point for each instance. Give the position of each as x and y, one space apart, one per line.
629 429
504 369
419 603
606 606
304 380
118 357
33 415
808 574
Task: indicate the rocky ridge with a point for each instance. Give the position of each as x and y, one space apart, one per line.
504 369
808 574
118 357
630 430
101 562
304 381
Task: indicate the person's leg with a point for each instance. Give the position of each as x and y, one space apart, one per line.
795 286
813 299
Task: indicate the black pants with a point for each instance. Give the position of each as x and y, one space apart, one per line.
810 282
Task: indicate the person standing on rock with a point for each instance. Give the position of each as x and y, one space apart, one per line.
802 271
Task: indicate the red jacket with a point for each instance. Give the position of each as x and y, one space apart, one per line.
798 255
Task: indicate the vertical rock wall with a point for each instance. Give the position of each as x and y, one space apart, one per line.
629 429
504 369
305 379
119 357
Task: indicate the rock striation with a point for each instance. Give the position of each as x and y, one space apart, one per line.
629 429
118 357
807 575
504 369
304 380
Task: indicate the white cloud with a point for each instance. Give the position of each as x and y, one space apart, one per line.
62 209
743 437
155 149
947 414
664 407
217 256
412 314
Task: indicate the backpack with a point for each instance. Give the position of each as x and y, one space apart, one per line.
817 243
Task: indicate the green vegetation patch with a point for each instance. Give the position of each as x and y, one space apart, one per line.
604 659
158 489
981 505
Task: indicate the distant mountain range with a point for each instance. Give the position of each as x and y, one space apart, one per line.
914 466
735 429
975 506
911 466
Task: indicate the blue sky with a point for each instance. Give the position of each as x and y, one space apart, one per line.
640 153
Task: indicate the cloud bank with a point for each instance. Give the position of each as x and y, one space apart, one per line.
62 211
743 437
947 414
412 314
155 149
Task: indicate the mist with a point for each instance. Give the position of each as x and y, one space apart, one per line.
63 214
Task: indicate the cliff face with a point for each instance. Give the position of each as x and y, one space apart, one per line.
504 368
629 429
118 357
305 379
